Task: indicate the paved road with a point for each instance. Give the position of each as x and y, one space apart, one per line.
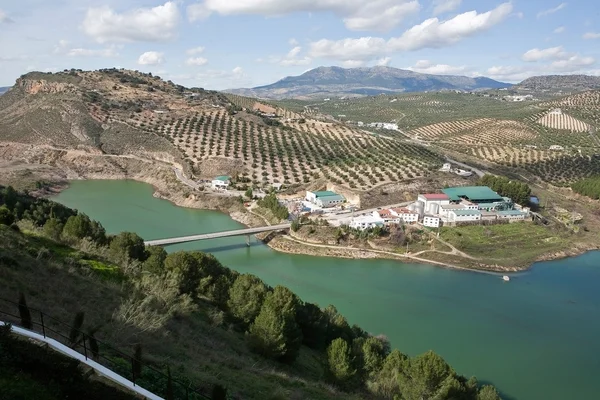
479 172
215 235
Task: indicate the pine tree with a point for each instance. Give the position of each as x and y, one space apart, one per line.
340 361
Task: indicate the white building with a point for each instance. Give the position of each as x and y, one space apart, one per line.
431 221
221 182
432 202
447 167
464 215
387 217
512 215
325 199
405 215
366 222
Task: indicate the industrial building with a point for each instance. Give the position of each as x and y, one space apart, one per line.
325 199
366 222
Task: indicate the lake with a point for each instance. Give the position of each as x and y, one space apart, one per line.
535 337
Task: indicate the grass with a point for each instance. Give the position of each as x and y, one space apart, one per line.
516 244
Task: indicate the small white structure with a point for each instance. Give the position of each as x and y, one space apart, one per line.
447 167
431 221
512 215
221 182
405 215
464 215
556 147
366 222
556 111
325 199
430 199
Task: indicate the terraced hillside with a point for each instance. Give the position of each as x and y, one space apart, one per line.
554 140
130 113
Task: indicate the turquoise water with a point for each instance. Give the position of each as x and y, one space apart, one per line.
536 337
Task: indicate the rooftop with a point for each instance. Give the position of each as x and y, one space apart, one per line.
331 197
324 193
223 178
403 211
472 193
467 212
435 196
511 212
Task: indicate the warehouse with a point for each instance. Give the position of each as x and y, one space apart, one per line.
325 199
474 194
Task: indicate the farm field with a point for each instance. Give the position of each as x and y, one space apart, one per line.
532 136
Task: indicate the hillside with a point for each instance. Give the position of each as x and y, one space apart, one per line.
210 324
337 81
560 83
4 89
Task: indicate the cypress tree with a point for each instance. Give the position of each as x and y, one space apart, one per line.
93 344
24 313
137 361
75 333
169 395
219 393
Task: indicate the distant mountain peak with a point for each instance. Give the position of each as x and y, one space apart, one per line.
334 80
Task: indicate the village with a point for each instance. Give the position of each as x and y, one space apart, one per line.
453 206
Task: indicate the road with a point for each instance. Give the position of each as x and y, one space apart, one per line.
198 186
216 235
479 172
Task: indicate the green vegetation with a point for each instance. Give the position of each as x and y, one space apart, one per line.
515 245
519 192
589 187
210 323
270 202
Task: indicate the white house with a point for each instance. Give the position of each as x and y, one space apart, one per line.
325 199
366 222
446 167
387 216
431 221
405 215
221 182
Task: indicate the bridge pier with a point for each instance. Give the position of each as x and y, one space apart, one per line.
248 240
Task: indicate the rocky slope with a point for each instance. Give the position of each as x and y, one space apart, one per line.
330 81
4 90
560 82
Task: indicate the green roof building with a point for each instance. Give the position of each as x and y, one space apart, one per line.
475 194
325 198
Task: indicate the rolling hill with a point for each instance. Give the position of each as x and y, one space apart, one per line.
560 82
337 81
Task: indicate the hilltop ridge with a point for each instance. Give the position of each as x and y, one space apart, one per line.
338 81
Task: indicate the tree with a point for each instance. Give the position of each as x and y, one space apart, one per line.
295 225
77 227
170 393
340 361
219 393
337 325
24 314
246 297
249 193
93 343
313 323
373 354
155 261
53 228
424 377
6 216
128 246
10 197
488 392
385 381
186 269
275 333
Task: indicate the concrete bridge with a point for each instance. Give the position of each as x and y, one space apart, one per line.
240 232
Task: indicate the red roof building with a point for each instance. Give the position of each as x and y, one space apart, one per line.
435 196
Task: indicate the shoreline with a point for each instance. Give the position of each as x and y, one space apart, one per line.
294 245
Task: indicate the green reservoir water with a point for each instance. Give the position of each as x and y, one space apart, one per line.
536 337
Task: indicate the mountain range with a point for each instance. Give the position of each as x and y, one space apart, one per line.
337 81
4 89
560 82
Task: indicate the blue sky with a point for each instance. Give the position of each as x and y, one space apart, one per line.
218 44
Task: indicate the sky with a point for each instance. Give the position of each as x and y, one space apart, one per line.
220 44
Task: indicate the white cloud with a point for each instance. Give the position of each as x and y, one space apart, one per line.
591 35
383 62
352 63
357 14
572 63
291 58
509 73
82 52
427 67
151 58
560 29
4 18
544 54
445 6
196 61
195 51
551 10
293 42
142 24
431 33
